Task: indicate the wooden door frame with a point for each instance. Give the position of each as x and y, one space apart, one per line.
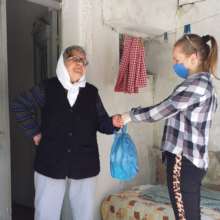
5 166
52 4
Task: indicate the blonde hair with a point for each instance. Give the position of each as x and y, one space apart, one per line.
208 55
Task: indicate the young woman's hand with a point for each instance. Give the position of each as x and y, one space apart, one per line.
37 139
125 118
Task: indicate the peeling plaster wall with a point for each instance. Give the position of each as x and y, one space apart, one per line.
101 44
138 17
147 18
160 62
70 15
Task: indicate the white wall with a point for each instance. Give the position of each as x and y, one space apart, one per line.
148 18
141 15
70 22
102 46
160 61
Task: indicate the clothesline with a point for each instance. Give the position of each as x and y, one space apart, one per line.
169 32
181 27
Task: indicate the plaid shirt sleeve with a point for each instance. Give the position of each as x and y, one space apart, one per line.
184 96
25 107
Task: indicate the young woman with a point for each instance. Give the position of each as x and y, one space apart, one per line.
188 112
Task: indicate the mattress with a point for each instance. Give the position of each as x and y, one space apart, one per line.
131 205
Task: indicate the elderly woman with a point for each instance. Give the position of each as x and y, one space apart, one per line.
71 114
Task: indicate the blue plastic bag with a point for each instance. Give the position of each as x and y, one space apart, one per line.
123 158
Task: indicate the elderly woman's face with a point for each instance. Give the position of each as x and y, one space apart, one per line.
76 65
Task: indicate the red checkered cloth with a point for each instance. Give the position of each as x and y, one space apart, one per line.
132 70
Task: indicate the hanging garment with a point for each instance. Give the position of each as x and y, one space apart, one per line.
132 69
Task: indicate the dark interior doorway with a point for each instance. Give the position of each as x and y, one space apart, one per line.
33 47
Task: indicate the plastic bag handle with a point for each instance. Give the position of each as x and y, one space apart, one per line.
124 129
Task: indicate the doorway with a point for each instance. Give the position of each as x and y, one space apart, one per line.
33 48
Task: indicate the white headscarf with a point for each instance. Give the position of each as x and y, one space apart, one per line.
64 78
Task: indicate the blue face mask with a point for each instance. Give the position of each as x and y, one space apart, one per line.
181 70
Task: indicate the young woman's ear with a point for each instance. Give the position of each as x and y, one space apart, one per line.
194 59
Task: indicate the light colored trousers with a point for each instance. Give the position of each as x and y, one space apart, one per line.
49 196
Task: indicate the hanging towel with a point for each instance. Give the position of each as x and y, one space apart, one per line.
132 69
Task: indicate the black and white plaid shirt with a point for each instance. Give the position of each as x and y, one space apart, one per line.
188 112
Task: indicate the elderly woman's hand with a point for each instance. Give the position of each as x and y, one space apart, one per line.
37 139
117 121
